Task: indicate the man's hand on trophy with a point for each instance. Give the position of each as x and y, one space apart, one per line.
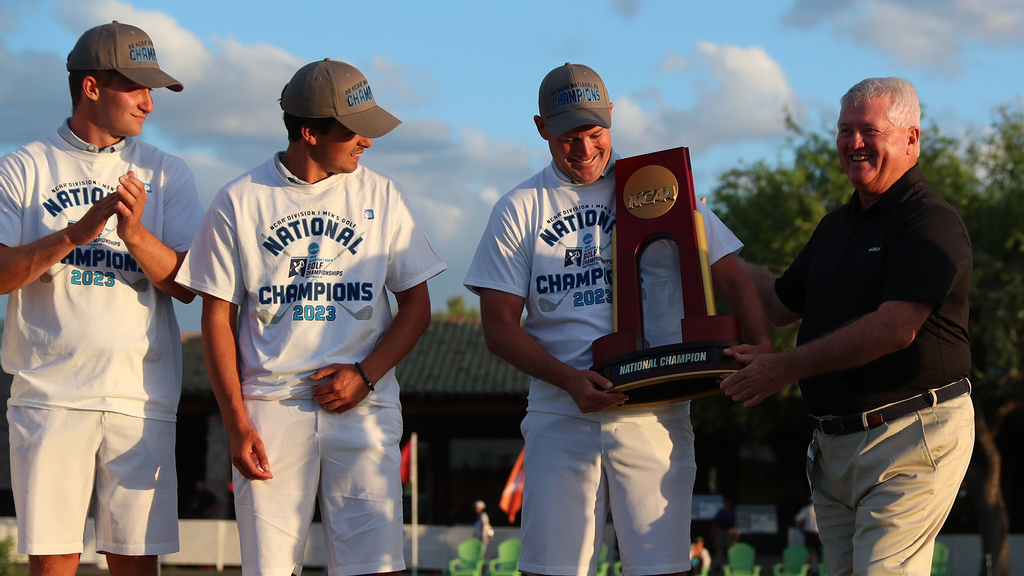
591 391
763 375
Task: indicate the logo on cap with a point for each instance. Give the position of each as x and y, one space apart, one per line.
576 94
142 52
358 94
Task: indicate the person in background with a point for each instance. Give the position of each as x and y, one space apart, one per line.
723 527
806 521
699 555
482 530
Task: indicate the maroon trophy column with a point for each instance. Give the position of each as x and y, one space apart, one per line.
655 203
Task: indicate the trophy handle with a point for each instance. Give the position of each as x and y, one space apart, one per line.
705 262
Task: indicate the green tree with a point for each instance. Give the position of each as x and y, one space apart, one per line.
774 208
457 309
7 565
995 216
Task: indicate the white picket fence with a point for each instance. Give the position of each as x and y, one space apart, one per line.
215 543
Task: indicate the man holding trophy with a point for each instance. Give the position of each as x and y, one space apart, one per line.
547 250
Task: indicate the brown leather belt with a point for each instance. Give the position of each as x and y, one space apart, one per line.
866 421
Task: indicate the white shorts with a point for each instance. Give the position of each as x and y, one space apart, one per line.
577 470
60 458
351 460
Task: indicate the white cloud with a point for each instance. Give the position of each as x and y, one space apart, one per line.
229 107
673 63
627 8
34 96
11 10
413 87
212 173
918 32
744 100
490 195
227 120
177 48
233 99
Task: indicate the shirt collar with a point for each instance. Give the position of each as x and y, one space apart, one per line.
73 139
896 193
279 160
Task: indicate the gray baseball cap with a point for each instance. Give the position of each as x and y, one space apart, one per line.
123 48
333 89
574 95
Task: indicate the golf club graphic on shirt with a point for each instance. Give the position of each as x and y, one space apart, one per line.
297 267
364 313
549 306
267 317
140 285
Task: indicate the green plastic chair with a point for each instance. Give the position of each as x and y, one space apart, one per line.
470 561
507 562
794 562
940 560
617 568
741 561
602 561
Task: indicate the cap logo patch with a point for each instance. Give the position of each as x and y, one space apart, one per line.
575 93
359 94
142 51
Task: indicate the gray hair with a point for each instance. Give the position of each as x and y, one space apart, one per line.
904 111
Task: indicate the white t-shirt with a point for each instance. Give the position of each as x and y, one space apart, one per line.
92 333
549 241
307 265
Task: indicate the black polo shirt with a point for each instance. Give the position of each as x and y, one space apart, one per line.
909 245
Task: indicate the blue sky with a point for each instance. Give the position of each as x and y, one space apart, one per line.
463 76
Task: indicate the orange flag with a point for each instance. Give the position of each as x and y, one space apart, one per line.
406 462
512 496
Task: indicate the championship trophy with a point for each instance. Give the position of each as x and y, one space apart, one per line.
667 344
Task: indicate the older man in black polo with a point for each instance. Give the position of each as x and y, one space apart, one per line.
883 354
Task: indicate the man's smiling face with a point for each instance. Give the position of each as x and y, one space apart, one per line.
873 151
582 153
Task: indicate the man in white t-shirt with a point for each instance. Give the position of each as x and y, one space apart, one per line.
294 260
93 227
586 457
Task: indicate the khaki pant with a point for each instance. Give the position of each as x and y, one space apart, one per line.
882 495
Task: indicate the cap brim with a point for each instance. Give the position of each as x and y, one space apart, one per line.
561 123
152 78
372 123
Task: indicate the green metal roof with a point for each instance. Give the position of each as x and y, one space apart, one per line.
194 380
450 358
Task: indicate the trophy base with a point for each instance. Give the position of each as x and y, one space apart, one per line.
670 373
673 372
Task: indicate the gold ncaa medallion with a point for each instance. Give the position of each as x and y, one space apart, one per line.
650 192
